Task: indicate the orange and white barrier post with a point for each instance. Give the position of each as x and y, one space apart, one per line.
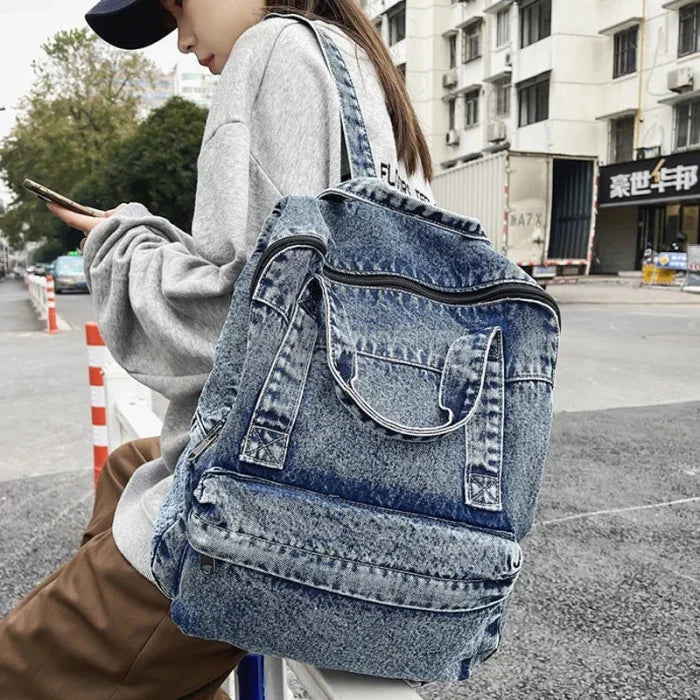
51 323
98 358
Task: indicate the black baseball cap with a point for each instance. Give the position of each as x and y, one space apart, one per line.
130 24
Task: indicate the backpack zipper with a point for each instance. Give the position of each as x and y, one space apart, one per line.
493 293
207 441
274 248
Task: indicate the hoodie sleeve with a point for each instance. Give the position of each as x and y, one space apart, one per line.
161 295
160 306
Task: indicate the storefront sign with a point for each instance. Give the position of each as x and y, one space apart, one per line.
692 280
672 261
666 178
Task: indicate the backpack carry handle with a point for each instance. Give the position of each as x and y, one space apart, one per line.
462 385
472 375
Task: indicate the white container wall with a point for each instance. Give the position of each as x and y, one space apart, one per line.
477 189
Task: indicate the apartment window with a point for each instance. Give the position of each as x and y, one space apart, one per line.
378 24
621 139
533 97
451 113
688 124
503 27
625 52
471 109
397 24
502 90
535 21
453 50
471 42
688 26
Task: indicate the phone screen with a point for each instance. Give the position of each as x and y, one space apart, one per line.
50 196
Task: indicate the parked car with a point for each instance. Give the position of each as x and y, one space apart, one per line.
69 273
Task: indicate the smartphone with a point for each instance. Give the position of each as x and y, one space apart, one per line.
50 196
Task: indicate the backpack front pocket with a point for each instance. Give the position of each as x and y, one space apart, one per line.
352 549
437 584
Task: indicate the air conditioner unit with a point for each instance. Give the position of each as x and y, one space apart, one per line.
647 152
449 79
496 131
679 79
452 137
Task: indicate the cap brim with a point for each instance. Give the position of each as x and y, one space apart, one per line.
129 24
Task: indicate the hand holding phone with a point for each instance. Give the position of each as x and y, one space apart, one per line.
50 196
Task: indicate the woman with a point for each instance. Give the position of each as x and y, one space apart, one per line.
99 627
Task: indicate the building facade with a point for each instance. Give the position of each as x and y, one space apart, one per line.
185 80
609 80
195 84
649 181
157 94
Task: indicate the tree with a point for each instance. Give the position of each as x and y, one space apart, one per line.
156 166
85 96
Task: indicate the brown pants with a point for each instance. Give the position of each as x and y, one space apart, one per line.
98 630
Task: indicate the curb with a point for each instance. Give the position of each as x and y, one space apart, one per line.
613 302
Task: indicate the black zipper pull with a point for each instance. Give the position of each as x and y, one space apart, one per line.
207 564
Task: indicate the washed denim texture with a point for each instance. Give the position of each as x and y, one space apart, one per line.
367 452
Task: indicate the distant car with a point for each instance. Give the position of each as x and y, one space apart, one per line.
69 273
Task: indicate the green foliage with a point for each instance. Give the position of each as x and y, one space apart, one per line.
156 166
50 251
85 96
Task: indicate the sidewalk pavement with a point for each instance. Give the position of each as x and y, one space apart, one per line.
620 291
608 604
45 425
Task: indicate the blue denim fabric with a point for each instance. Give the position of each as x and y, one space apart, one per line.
367 452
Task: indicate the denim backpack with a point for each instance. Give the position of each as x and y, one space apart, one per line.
367 451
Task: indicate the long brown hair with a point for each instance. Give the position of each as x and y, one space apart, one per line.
411 146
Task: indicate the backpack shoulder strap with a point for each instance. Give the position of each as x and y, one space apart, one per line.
356 159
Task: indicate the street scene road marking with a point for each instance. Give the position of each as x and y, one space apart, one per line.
611 511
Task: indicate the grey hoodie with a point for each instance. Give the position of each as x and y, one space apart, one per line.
161 295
